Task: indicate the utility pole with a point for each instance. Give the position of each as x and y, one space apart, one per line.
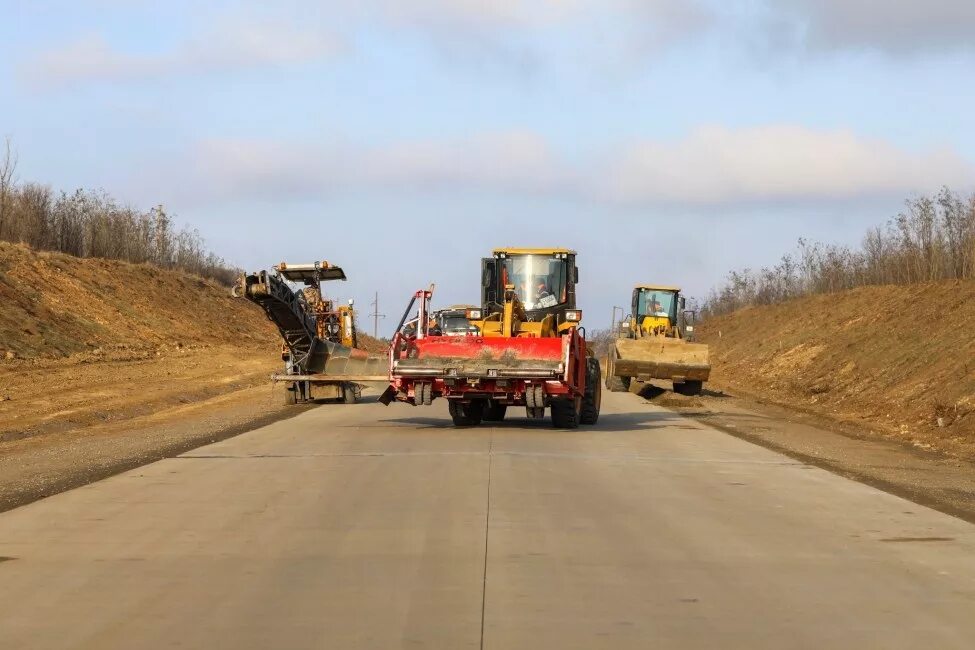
376 316
612 327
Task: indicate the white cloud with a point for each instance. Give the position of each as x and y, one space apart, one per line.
778 163
526 33
892 26
711 166
234 46
515 161
505 14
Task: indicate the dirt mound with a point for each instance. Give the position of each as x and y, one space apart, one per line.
899 359
56 305
371 344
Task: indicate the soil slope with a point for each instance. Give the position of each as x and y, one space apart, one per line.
900 360
56 305
105 365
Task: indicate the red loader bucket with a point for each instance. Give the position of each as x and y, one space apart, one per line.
483 357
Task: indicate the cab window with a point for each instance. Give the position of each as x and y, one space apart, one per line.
540 281
656 303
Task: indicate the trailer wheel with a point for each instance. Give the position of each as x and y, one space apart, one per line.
689 387
495 412
593 398
424 394
291 395
565 413
466 415
350 394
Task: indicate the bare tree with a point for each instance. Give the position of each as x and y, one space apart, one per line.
8 167
91 223
932 239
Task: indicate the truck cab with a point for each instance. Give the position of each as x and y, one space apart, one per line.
455 321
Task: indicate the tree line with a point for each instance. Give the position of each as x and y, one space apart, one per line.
89 223
932 239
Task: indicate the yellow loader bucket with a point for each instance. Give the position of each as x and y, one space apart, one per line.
660 357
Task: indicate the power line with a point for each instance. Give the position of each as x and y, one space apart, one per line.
376 316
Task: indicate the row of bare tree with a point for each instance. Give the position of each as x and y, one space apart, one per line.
87 223
933 239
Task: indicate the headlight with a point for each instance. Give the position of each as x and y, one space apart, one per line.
573 315
473 314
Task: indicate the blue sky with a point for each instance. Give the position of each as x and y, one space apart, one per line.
665 140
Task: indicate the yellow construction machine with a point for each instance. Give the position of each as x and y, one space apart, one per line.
524 347
655 342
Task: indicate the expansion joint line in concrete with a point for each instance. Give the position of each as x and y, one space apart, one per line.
487 533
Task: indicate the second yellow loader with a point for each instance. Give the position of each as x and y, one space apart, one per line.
656 342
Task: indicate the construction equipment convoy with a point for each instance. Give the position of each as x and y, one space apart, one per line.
319 340
526 347
654 342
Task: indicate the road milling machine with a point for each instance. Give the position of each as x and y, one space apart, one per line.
319 338
525 347
655 342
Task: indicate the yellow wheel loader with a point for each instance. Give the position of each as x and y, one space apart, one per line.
655 342
523 347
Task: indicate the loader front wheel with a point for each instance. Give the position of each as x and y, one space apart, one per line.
593 398
466 415
495 412
617 384
565 413
689 387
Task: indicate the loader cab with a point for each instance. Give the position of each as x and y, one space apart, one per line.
544 281
656 308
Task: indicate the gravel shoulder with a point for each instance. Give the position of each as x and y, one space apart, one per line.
95 418
937 480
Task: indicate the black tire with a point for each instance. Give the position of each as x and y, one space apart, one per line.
690 387
495 412
350 395
591 402
466 415
617 384
565 413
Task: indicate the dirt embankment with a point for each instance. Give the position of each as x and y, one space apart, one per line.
86 341
106 364
55 305
897 360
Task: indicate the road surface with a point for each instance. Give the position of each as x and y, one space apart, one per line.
371 527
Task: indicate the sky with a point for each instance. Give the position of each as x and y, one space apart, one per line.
665 140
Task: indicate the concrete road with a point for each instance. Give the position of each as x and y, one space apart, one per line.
371 527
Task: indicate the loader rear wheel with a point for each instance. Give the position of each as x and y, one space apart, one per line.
565 413
591 402
689 387
466 415
495 412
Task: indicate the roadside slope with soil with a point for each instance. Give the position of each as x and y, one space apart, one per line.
898 360
105 365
